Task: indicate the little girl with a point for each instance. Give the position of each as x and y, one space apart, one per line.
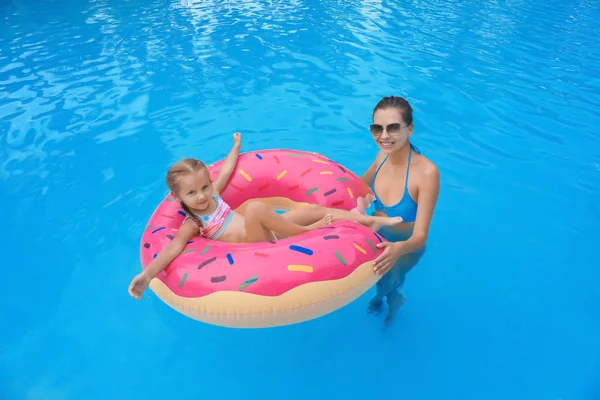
212 218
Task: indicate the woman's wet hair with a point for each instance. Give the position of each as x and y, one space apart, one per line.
400 104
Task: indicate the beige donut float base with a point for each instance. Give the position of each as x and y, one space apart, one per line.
259 285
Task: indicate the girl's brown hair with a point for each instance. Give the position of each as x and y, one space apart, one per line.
184 167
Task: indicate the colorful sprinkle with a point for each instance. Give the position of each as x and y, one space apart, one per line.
339 257
300 249
182 281
378 237
204 250
170 199
217 279
300 268
311 191
293 187
170 237
205 263
329 237
257 254
248 282
158 229
342 179
154 256
229 258
350 193
263 187
320 161
282 174
343 170
296 155
306 171
337 203
276 159
147 245
357 247
168 216
326 173
258 156
190 242
332 191
372 246
245 175
181 213
188 251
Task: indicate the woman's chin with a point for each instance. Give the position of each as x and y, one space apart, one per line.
387 149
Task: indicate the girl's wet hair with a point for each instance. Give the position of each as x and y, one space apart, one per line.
399 103
184 167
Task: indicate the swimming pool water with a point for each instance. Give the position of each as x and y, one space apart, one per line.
98 98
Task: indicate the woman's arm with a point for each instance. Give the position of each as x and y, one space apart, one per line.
163 259
228 164
428 195
370 172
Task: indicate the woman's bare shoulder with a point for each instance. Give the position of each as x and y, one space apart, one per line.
427 168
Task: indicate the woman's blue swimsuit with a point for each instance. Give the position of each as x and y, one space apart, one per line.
406 208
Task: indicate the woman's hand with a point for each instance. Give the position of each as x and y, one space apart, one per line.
386 260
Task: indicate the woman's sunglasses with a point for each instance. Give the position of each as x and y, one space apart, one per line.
392 129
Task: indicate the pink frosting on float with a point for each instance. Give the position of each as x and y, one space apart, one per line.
271 268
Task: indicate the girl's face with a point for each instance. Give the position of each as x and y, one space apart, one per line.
389 130
195 190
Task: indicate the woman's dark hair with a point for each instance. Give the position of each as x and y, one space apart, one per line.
396 102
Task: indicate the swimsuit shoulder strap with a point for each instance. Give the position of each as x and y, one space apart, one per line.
378 168
408 168
416 150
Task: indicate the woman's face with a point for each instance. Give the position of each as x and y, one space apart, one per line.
389 130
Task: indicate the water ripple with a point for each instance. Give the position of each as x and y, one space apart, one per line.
98 97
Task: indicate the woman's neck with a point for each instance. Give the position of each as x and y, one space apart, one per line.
400 156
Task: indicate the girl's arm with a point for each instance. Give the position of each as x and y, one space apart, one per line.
163 259
229 164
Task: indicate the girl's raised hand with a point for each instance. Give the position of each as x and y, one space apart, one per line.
237 140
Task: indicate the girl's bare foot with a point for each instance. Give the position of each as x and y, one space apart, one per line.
326 220
376 222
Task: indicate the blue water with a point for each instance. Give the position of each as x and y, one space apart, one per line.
98 98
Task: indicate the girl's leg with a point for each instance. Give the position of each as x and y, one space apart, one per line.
310 214
262 221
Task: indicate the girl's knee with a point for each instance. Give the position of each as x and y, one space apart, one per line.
255 208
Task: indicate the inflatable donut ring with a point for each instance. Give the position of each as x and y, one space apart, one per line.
271 283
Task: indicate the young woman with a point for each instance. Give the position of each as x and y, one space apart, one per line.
406 185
